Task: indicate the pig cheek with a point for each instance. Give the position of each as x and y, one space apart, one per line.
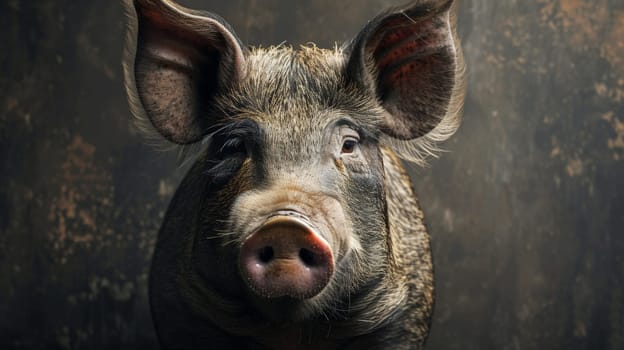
363 194
344 238
226 200
214 247
367 204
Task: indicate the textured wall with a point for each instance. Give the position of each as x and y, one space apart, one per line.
526 210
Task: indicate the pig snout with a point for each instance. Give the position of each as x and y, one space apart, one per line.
286 257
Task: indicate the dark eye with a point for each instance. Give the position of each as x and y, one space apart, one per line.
233 146
348 146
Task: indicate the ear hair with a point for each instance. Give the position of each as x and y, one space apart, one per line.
176 61
141 121
420 149
411 61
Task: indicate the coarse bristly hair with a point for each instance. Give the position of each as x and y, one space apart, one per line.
416 150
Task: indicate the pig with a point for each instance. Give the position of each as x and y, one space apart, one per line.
297 226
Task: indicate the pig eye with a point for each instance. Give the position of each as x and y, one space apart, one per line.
349 145
233 146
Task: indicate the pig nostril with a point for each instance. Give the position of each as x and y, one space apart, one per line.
285 257
266 254
307 257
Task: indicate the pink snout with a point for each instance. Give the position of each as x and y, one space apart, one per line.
286 257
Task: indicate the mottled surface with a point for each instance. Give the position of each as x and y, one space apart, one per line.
526 210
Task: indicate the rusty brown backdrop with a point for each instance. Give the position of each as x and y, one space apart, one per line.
526 209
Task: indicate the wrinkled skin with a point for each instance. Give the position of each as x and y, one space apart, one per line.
297 227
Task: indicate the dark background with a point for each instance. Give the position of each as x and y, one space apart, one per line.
526 210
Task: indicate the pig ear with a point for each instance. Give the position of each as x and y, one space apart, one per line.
411 61
176 62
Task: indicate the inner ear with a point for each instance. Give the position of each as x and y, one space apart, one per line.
409 61
179 60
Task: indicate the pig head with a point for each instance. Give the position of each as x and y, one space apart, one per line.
297 227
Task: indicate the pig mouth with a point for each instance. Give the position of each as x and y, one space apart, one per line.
286 257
